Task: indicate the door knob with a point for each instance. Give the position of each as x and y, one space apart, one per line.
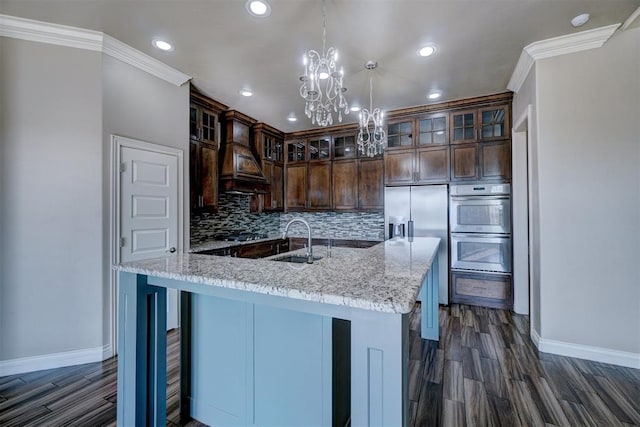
172 249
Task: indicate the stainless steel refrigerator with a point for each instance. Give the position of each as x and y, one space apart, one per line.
421 211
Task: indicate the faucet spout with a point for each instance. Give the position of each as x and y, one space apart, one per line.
309 240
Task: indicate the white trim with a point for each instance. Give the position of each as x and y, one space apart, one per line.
125 53
535 337
556 46
580 351
54 360
80 38
631 19
45 32
117 142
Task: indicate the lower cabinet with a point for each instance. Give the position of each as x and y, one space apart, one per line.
483 289
253 364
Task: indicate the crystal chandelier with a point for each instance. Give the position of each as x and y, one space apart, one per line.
322 83
371 136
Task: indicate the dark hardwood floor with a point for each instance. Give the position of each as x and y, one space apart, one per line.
484 371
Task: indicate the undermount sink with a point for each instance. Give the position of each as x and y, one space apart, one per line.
298 259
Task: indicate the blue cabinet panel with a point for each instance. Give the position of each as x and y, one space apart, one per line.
221 361
292 368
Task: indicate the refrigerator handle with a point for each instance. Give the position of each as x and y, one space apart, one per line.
410 229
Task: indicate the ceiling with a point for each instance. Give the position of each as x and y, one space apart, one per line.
225 49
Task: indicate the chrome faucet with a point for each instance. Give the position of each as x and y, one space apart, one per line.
309 250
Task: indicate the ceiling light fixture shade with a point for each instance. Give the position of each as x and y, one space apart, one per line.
371 135
322 87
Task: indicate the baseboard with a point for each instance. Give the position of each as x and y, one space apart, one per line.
596 354
54 360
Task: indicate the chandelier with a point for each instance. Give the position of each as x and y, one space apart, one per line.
371 136
322 83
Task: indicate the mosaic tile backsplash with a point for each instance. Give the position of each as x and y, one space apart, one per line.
234 216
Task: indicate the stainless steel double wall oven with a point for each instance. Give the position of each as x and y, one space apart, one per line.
480 227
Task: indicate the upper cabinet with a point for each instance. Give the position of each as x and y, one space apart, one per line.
466 140
418 151
269 144
205 132
323 172
480 124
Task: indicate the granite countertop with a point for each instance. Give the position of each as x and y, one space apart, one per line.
386 277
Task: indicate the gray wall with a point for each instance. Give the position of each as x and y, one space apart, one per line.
59 108
588 152
142 107
51 206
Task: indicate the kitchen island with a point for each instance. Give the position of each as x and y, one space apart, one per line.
239 312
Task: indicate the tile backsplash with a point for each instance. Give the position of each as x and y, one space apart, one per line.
234 216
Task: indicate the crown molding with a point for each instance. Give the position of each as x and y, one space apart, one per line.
79 38
45 32
556 46
125 53
631 19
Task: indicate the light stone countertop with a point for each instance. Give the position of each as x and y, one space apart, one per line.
221 244
386 277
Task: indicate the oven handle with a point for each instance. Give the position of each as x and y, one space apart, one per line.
463 198
483 235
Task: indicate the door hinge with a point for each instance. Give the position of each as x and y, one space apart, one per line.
122 242
123 167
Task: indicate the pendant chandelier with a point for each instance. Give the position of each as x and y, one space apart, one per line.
322 83
371 136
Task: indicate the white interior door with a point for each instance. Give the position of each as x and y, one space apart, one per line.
149 210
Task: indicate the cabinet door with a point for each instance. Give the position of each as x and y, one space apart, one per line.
398 167
208 122
277 187
400 134
320 149
433 130
432 164
296 151
267 170
345 185
495 160
464 162
494 123
371 185
194 174
319 194
463 126
209 176
296 186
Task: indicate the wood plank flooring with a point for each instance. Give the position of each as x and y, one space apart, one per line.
484 371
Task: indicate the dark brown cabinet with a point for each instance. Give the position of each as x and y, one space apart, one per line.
345 186
480 124
269 144
488 290
464 162
296 187
495 160
418 151
319 190
337 179
204 129
371 185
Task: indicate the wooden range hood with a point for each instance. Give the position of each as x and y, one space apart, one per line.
240 170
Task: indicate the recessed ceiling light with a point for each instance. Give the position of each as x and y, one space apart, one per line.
246 92
162 45
259 8
580 20
292 118
354 108
427 50
434 95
